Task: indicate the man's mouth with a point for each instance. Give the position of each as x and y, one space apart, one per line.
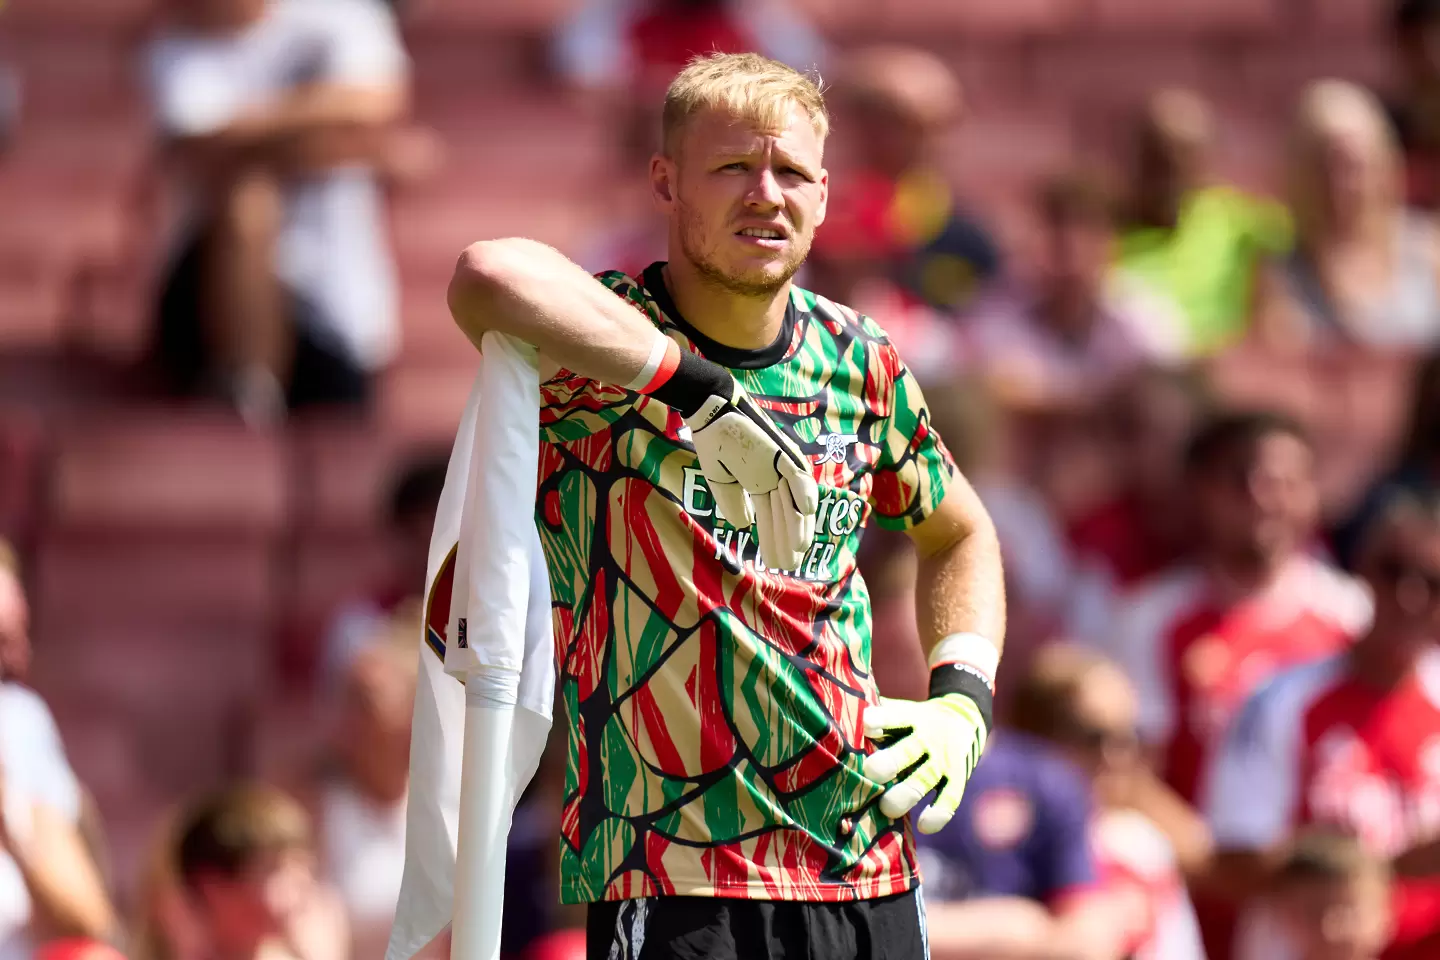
762 233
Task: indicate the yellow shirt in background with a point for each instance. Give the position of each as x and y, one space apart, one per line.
1206 264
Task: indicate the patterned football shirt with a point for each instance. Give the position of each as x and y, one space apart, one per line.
715 737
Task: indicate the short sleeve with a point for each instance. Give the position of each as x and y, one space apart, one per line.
191 94
32 754
914 469
365 46
1068 857
1253 784
573 407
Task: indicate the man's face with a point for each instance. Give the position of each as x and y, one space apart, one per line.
1078 257
261 901
1151 421
1337 919
1403 570
743 203
1260 503
1106 717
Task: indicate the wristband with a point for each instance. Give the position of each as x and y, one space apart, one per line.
659 367
965 663
694 381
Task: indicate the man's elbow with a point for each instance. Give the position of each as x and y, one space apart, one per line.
487 273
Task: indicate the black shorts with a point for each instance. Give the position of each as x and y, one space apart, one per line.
716 928
322 374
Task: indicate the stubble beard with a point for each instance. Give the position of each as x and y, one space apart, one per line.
759 286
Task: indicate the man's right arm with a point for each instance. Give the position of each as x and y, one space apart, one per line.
532 292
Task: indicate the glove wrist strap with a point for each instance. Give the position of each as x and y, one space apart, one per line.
692 381
965 663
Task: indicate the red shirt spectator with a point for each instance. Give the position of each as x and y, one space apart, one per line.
1195 654
1354 740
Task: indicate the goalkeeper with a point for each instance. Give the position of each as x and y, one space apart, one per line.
714 441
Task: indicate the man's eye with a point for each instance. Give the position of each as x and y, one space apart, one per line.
737 165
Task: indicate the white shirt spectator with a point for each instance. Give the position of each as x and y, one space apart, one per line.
333 249
34 770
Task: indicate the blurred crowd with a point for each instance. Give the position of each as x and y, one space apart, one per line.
1206 422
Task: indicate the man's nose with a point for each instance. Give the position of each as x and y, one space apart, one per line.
765 190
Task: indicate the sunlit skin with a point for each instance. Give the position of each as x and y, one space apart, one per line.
1258 506
1402 568
1337 919
723 176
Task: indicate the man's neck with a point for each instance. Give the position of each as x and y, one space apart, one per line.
1236 576
1070 314
746 323
246 949
1372 665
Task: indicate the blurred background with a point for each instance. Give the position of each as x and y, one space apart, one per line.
1103 232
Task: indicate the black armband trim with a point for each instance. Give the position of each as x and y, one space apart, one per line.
958 678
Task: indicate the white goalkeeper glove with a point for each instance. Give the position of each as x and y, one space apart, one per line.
934 743
756 474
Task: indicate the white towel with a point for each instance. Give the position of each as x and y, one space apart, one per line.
497 639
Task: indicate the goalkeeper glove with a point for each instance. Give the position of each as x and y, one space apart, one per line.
756 474
935 744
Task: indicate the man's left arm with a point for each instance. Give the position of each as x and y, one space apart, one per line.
960 607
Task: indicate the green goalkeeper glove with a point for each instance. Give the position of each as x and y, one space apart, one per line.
934 744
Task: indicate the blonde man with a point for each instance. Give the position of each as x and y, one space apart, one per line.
715 440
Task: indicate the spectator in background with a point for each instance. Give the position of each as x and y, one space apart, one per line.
1076 700
359 797
1364 271
1417 468
246 861
1186 238
1063 339
1038 565
1022 831
394 604
1349 741
277 117
1198 638
1139 530
49 883
633 48
1338 320
1332 899
1416 111
895 103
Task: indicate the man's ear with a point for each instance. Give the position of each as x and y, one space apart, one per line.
824 197
662 182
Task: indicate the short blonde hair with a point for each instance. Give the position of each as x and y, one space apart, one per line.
746 85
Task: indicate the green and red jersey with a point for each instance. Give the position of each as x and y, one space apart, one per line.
715 738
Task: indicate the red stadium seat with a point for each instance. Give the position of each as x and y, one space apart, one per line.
430 333
77 16
1350 18
423 404
187 580
169 470
1276 76
1081 71
343 471
1190 16
497 15
970 17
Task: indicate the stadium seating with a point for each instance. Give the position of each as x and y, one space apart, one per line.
179 562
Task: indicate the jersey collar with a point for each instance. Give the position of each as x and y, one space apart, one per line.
736 358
